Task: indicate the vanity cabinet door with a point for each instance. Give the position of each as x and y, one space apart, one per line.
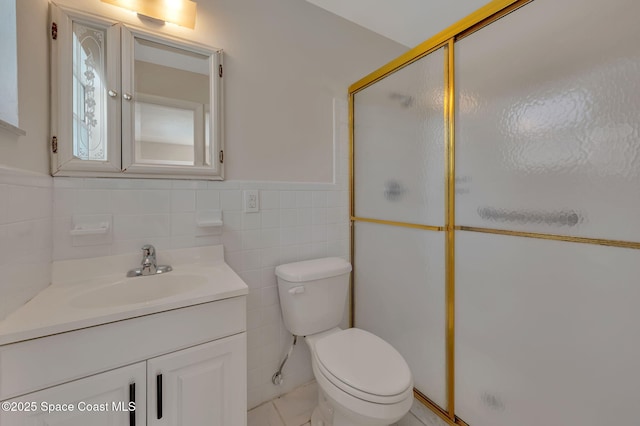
100 400
201 386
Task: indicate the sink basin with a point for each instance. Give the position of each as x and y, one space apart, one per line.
138 290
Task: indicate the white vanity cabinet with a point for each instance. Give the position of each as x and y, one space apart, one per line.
100 400
182 367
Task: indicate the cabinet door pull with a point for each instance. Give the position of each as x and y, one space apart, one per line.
159 396
132 399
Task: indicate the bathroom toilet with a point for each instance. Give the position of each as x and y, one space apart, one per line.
362 380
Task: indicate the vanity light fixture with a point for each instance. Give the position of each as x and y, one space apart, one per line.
179 12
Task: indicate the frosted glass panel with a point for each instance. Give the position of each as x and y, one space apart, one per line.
399 145
89 93
546 332
548 120
399 296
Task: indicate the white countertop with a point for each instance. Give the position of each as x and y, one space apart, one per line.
51 312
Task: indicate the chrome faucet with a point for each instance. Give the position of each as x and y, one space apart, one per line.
149 264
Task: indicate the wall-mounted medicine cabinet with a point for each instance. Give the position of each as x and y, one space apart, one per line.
127 102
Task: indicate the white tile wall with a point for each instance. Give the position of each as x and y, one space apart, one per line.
25 237
297 221
287 229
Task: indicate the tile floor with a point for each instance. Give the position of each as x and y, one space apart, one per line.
294 409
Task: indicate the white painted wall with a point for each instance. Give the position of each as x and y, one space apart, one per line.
285 61
30 152
25 186
409 22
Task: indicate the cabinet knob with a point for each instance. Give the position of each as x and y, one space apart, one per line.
127 97
112 93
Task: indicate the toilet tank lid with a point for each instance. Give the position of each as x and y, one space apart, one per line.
316 269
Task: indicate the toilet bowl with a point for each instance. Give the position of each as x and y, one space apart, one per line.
362 380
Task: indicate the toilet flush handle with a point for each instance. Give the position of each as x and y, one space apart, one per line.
296 290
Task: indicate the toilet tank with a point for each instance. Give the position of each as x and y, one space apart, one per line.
313 294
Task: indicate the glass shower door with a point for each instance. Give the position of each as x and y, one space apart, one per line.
547 147
399 184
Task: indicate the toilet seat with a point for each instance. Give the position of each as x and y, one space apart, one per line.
363 365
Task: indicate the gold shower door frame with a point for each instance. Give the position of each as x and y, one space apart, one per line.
449 228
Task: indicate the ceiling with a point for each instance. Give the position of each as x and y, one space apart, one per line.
409 22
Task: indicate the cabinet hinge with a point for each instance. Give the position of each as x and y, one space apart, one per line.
54 144
54 31
221 157
220 70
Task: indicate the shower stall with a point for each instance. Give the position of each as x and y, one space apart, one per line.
495 208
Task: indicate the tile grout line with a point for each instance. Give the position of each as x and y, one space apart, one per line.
279 413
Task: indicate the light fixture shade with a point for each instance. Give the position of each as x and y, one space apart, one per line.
180 12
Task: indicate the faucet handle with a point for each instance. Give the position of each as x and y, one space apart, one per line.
148 250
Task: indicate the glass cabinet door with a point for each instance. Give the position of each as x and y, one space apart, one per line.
170 116
87 100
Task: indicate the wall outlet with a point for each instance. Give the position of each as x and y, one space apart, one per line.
251 201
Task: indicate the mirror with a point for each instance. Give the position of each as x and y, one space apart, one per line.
171 100
171 107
